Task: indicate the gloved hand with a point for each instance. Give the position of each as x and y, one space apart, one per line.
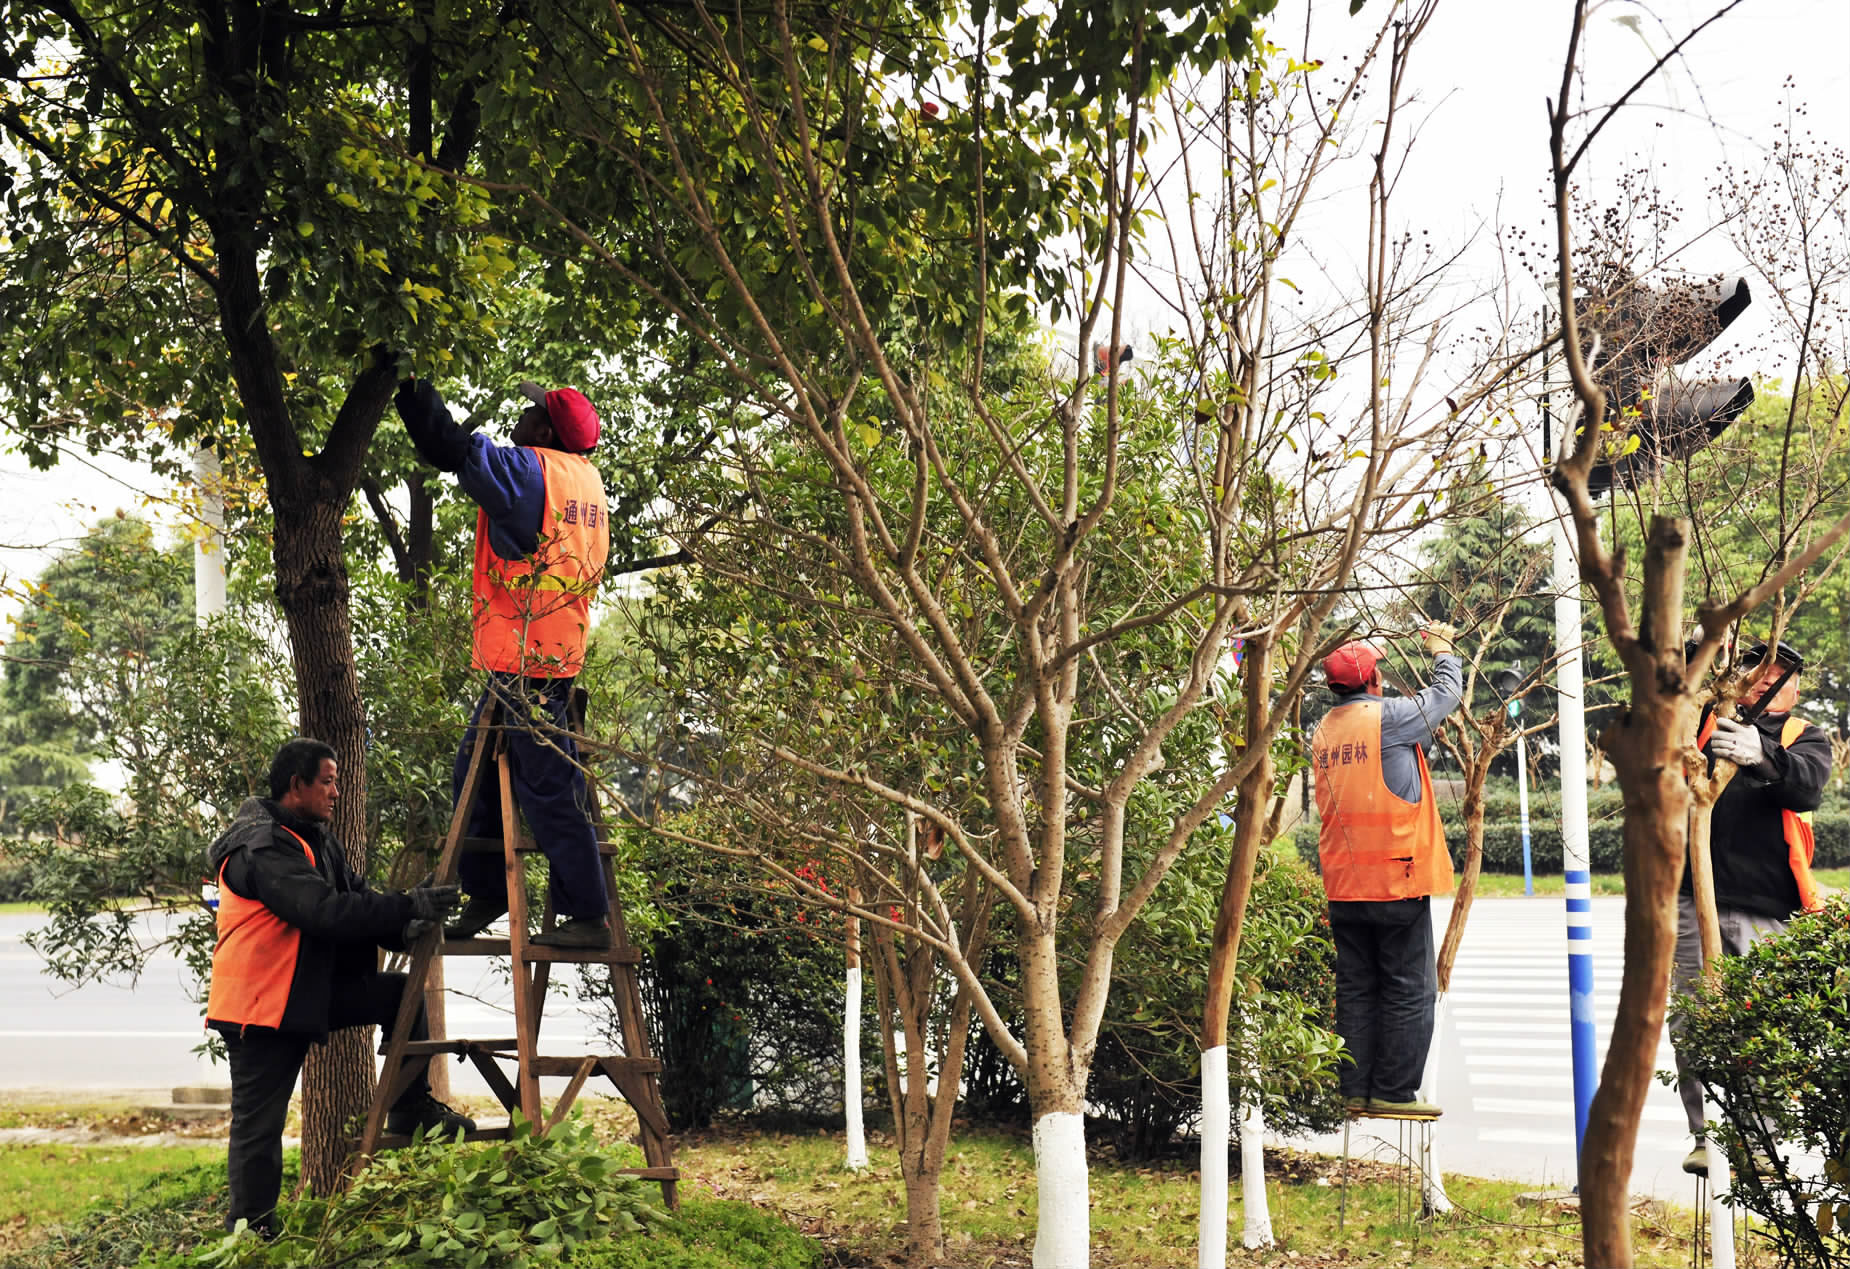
1737 742
415 930
1438 636
433 903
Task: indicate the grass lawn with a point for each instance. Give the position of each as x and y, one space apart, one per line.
44 1185
1143 1217
21 909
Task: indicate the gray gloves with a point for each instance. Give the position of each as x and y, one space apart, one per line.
429 906
433 903
1737 742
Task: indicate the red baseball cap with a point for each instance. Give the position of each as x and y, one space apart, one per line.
574 421
1351 665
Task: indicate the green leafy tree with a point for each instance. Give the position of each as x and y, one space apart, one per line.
230 225
95 623
206 237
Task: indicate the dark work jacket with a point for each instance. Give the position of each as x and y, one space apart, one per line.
1747 837
342 922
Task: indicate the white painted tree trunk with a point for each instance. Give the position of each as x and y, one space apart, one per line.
1721 1216
1211 1240
1258 1231
851 1072
209 545
1437 1202
1063 1238
209 602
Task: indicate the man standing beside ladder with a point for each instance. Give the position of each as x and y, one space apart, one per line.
296 958
1382 851
541 539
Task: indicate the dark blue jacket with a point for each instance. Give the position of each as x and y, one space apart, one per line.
505 481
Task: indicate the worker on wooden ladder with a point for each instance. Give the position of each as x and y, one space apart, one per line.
297 958
1383 855
541 539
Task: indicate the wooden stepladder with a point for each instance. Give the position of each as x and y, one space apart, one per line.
634 1071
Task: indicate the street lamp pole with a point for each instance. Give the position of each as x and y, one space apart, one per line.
1508 683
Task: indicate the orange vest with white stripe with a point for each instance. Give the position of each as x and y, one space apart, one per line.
254 962
1374 845
532 615
1801 845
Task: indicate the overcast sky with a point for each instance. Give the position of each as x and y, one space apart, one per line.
1485 72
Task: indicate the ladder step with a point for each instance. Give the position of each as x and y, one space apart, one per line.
653 1174
572 955
418 1048
570 1065
526 845
585 955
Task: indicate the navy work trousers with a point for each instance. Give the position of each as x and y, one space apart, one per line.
264 1066
1386 985
549 789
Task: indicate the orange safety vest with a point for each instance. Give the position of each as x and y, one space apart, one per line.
532 614
1801 844
254 963
1374 845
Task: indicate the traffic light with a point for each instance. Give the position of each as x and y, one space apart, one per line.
1638 333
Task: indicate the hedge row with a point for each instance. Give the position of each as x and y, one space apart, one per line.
1605 847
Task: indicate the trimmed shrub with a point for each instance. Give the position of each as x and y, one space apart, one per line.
743 988
1770 1041
1146 1085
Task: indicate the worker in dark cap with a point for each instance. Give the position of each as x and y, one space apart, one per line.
542 535
1382 851
1760 838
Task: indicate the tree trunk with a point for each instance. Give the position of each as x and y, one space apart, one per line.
1249 815
904 987
311 584
1056 1100
1258 1213
1704 790
851 1048
1645 747
1476 776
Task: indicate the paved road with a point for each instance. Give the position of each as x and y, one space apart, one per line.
118 1036
1506 1080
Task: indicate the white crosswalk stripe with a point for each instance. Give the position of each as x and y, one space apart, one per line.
1508 1051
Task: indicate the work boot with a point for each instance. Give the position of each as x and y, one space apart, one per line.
1355 1105
1696 1162
421 1110
580 932
477 915
1414 1109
